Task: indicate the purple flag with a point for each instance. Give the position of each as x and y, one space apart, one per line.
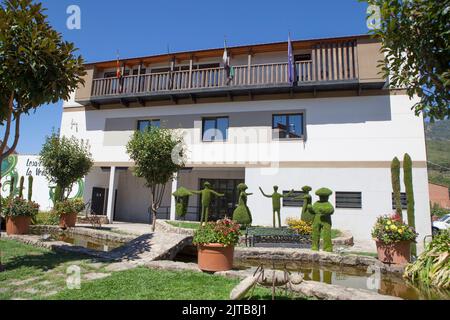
291 64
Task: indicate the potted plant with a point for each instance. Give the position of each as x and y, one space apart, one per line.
18 213
67 211
215 243
393 238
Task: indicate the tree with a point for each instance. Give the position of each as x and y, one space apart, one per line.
65 161
36 66
416 42
158 154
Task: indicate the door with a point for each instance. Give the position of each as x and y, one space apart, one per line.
98 201
222 207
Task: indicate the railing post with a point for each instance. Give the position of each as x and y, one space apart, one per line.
190 74
249 67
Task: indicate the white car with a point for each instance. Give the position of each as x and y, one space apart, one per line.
441 224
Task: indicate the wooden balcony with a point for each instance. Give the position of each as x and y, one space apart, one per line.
333 66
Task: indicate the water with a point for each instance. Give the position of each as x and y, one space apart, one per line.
81 240
359 278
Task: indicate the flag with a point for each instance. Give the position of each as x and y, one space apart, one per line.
226 63
291 63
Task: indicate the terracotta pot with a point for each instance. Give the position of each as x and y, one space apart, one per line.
68 220
395 253
215 257
18 225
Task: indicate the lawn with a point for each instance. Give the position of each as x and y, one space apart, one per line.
40 274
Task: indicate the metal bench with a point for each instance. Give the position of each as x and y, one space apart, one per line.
275 237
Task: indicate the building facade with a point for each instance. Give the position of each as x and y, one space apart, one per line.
336 126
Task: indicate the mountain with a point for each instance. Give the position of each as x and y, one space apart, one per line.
438 149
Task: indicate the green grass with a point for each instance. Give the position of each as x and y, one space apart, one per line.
184 225
145 284
438 152
44 272
335 233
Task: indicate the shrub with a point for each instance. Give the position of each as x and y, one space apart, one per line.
391 229
69 206
224 231
18 207
432 267
299 226
49 218
437 211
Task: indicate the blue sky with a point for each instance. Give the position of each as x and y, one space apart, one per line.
142 27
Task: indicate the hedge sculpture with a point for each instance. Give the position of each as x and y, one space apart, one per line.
322 210
307 214
276 203
182 201
407 173
206 195
30 187
22 181
242 214
395 177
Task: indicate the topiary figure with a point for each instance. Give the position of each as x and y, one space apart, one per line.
395 177
407 176
307 215
276 203
242 214
30 187
322 211
182 201
206 195
22 181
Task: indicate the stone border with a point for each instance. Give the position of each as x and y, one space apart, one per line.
163 225
346 239
283 254
88 232
318 290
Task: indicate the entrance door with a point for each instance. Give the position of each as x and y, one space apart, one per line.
98 201
222 207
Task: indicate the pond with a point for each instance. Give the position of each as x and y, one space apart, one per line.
78 240
359 278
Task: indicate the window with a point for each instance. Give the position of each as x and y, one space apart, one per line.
288 126
350 200
144 124
136 71
290 202
302 57
402 199
215 129
113 74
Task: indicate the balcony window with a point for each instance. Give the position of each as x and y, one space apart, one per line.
215 129
145 124
288 126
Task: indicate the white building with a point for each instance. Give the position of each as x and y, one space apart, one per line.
337 127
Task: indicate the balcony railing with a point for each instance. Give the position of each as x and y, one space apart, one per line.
245 76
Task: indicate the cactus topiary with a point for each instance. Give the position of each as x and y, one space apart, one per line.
407 173
182 201
307 216
22 181
322 211
395 177
30 187
11 186
242 214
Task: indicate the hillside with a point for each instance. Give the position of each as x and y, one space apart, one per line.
438 147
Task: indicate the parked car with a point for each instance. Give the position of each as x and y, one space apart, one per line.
442 224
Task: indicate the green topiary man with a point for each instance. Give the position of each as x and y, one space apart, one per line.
206 195
322 211
276 203
182 201
242 214
307 216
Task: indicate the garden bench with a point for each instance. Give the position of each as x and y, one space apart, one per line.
276 237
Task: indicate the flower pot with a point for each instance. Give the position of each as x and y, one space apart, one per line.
18 225
68 220
394 253
215 257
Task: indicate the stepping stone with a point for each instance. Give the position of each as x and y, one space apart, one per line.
3 290
23 282
120 266
51 293
44 283
96 265
31 290
96 276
